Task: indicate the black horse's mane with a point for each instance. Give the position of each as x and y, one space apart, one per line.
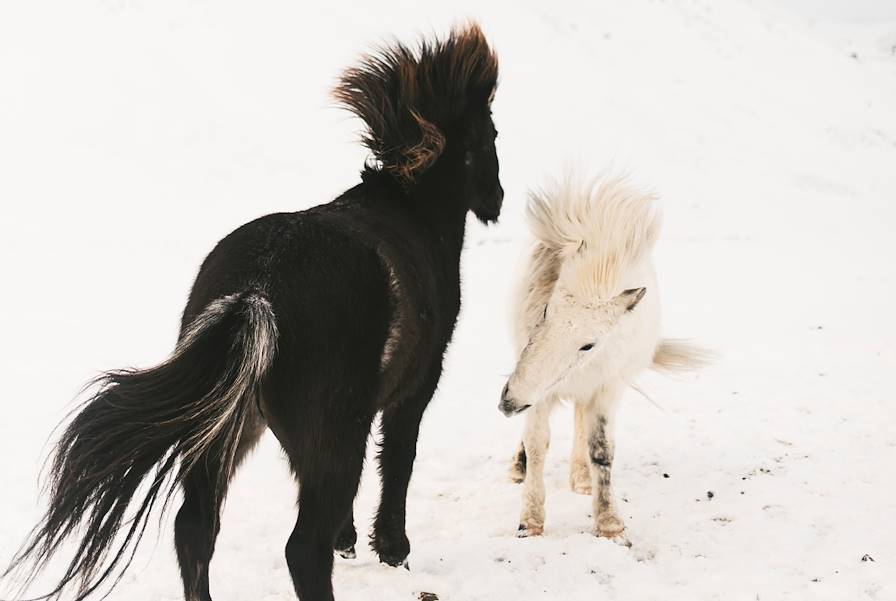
407 97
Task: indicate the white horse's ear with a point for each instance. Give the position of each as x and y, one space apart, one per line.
629 299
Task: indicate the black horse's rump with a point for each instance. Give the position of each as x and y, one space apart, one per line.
308 323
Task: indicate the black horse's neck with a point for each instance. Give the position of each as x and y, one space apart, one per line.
439 203
436 203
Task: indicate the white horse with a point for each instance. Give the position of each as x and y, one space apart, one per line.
586 322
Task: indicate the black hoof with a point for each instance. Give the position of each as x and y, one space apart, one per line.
395 561
393 550
345 542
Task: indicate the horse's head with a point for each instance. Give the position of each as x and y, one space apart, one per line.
470 152
428 116
570 339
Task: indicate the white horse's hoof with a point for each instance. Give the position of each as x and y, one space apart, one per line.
610 527
615 536
528 530
620 539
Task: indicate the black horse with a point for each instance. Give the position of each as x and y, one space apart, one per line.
308 323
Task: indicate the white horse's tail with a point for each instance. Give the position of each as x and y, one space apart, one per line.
674 355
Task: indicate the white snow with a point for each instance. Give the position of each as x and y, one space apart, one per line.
136 133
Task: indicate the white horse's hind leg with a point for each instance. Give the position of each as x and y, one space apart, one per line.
601 447
579 470
536 440
517 471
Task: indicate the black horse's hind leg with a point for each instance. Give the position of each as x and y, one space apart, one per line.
195 530
328 481
198 520
400 427
347 537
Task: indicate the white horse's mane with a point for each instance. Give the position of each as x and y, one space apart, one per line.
598 231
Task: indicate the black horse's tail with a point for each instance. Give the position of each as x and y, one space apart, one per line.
150 426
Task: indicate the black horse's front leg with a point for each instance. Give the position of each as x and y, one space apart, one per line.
398 448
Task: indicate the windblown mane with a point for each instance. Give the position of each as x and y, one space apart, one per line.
599 231
407 97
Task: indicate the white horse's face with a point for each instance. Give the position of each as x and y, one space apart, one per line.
568 340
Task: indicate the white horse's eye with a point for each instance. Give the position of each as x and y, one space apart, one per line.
587 347
545 315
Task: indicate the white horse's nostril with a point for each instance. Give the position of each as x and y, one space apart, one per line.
508 405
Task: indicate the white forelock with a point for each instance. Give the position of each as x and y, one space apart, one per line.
601 229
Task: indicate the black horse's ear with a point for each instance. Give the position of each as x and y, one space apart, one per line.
473 65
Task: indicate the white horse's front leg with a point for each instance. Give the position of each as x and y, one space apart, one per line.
601 447
579 465
536 439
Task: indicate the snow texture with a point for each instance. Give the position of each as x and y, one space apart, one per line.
136 133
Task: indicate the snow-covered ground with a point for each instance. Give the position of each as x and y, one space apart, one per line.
135 133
